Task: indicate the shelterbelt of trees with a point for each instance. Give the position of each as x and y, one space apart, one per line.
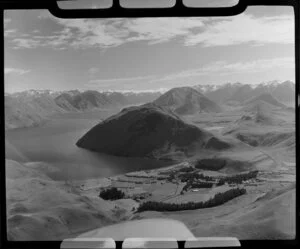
217 200
237 179
194 176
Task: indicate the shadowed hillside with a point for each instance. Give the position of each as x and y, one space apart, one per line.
87 100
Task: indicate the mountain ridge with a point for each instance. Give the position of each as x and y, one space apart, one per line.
32 107
284 91
187 100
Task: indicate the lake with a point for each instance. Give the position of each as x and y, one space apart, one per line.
54 143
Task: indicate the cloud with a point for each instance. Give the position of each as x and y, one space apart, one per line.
105 33
220 68
93 33
10 70
206 32
93 70
9 32
25 43
115 32
161 29
245 29
226 68
59 40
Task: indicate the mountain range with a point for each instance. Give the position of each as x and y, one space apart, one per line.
32 107
283 91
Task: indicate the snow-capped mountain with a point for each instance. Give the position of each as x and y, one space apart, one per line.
32 107
283 91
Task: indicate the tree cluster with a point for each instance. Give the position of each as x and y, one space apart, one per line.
201 185
160 178
217 200
171 177
186 169
194 176
112 194
238 179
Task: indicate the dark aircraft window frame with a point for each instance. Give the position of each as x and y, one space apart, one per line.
116 11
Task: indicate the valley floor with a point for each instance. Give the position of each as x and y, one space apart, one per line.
267 211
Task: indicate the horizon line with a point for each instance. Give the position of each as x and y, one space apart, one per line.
161 90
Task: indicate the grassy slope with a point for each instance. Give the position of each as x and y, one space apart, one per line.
39 208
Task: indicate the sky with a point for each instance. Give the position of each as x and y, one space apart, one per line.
144 54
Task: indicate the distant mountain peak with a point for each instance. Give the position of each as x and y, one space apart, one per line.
186 100
272 82
265 97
